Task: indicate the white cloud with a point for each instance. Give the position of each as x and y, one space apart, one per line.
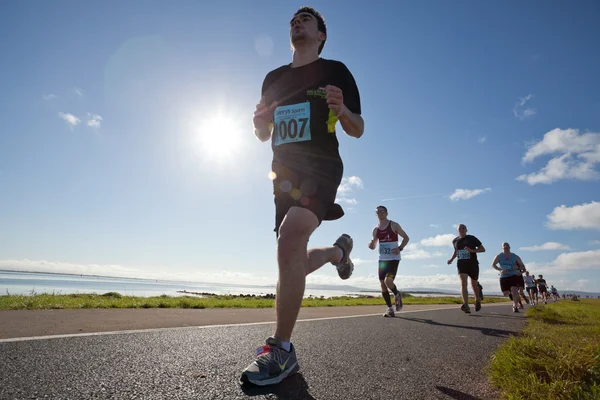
349 184
546 246
436 226
466 194
415 252
521 111
78 91
349 201
94 120
438 240
575 156
360 261
578 260
594 242
582 216
49 97
565 263
69 119
346 188
482 139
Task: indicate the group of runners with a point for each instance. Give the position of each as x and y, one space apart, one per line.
301 103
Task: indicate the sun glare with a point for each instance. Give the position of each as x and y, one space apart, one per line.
218 137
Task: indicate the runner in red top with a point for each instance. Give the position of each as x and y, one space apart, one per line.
386 233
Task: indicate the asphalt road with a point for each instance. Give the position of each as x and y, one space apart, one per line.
417 355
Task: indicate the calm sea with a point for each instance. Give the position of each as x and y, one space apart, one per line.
28 282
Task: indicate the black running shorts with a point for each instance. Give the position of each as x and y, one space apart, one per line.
532 290
295 189
471 269
510 281
388 268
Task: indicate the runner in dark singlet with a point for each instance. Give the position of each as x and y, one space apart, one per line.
543 286
301 104
466 248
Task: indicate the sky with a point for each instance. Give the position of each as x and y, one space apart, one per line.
126 144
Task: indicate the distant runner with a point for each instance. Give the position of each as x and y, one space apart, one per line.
386 233
554 293
510 266
466 248
531 284
543 286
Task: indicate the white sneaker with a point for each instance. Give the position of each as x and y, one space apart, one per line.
389 313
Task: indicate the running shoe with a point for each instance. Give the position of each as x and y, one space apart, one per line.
345 265
398 301
465 308
389 313
272 365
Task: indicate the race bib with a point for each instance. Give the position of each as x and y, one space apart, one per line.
292 124
386 248
463 254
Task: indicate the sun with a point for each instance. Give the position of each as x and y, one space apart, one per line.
218 137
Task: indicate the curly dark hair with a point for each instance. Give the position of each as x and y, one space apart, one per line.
320 22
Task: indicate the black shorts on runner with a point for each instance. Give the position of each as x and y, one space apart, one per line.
509 281
388 268
470 269
295 189
532 290
543 289
521 281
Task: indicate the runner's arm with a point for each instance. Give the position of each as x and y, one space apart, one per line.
479 249
496 260
520 264
264 134
353 124
452 258
398 229
374 240
350 118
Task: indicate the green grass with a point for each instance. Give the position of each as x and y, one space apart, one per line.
115 300
557 356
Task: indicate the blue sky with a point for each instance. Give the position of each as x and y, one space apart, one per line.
126 143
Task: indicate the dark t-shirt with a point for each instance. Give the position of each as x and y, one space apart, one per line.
464 257
542 283
304 137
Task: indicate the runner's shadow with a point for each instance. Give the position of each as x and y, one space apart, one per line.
291 388
486 331
496 316
455 394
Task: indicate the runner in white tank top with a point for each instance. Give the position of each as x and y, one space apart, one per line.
386 233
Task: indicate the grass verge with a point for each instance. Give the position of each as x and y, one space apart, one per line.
115 300
557 356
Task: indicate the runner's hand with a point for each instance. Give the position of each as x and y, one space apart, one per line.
396 251
335 100
263 115
372 245
470 250
450 261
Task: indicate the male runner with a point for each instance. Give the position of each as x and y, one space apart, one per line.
531 287
521 288
300 106
386 233
466 248
554 293
543 286
510 266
